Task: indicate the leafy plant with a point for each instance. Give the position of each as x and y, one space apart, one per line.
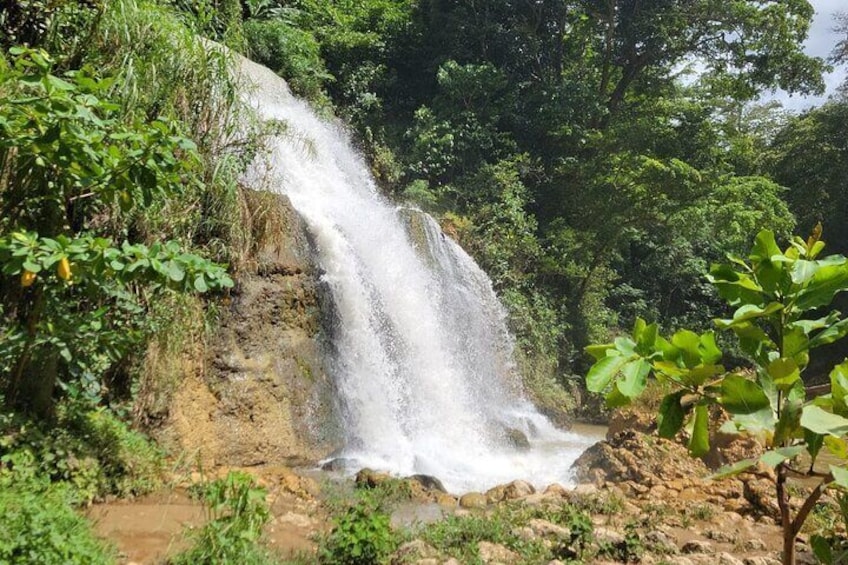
73 302
361 535
774 292
39 527
237 511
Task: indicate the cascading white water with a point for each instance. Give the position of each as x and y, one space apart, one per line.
422 356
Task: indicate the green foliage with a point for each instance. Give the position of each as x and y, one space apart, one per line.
39 527
91 451
774 292
237 514
361 535
289 51
66 159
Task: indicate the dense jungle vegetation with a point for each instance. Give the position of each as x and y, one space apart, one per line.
594 156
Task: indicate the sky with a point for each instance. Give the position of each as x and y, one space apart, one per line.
820 43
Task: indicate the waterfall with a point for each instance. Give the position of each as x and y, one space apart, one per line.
422 359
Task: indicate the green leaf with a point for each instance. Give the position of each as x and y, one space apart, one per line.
813 442
827 282
699 444
765 247
615 399
840 475
687 342
839 388
817 420
710 353
784 372
834 333
803 271
837 446
821 549
671 415
777 456
742 396
602 372
732 470
200 284
598 352
635 378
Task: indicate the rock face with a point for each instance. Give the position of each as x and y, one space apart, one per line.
263 396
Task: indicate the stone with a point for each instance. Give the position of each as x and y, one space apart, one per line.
660 542
517 439
415 550
721 536
369 478
452 561
608 536
545 529
473 500
518 489
697 546
496 554
429 482
754 544
556 489
725 558
762 560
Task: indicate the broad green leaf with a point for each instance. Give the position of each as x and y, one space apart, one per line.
687 342
710 353
777 456
603 371
699 444
598 352
742 396
697 376
817 420
837 446
795 341
803 271
671 415
813 442
615 399
735 287
827 282
647 339
765 246
784 372
625 346
758 423
821 549
839 388
635 378
833 333
840 475
732 470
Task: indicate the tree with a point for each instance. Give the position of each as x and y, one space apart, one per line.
773 293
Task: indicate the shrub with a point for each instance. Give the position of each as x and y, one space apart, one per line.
40 528
361 535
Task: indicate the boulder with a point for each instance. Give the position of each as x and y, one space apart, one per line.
473 500
493 553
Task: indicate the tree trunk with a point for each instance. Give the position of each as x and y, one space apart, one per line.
785 519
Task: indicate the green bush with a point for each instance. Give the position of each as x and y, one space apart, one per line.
361 535
90 450
292 53
40 528
237 512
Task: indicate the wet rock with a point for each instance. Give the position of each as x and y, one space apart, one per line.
517 439
369 478
429 482
518 489
473 500
493 553
337 464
